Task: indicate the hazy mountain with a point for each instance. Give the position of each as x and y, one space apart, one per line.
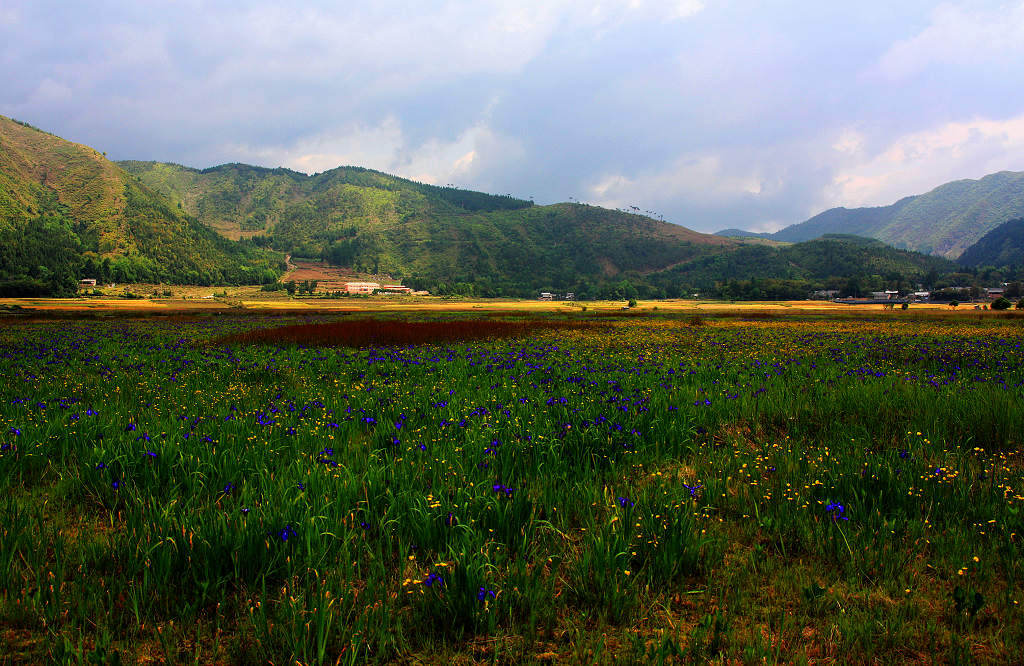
741 233
945 221
1003 246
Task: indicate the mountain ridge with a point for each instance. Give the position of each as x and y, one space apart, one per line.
65 209
944 221
1002 246
439 236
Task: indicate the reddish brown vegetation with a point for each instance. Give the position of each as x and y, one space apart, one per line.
383 332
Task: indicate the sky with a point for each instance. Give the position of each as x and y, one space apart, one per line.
710 114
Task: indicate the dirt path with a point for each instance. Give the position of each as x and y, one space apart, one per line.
289 268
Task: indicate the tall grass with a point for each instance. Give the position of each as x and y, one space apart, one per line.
645 489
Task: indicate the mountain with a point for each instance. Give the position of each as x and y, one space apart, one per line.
438 238
836 261
1003 246
741 233
945 221
66 212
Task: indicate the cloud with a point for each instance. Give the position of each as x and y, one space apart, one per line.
50 92
920 161
696 177
966 35
714 114
685 8
466 159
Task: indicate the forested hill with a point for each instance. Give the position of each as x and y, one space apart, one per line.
1003 246
66 212
849 264
440 238
945 221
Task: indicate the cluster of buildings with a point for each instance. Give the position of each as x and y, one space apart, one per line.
893 296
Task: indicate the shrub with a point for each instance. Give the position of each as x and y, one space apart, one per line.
1001 303
1020 304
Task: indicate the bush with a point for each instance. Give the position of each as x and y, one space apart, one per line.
632 303
1020 304
1001 303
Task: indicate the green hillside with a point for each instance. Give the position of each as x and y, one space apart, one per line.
944 222
1003 246
850 264
66 213
439 238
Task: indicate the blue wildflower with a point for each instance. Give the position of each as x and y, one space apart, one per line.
837 511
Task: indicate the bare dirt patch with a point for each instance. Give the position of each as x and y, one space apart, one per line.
364 332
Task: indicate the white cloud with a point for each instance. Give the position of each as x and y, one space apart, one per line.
685 8
50 92
920 161
958 35
464 160
701 178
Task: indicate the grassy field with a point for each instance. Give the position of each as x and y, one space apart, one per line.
741 485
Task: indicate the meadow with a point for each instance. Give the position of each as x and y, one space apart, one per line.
518 487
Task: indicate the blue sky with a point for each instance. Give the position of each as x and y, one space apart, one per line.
711 114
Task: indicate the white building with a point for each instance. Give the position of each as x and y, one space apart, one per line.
361 287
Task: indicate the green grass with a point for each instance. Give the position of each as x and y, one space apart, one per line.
646 490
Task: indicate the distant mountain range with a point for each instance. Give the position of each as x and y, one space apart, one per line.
67 213
944 222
